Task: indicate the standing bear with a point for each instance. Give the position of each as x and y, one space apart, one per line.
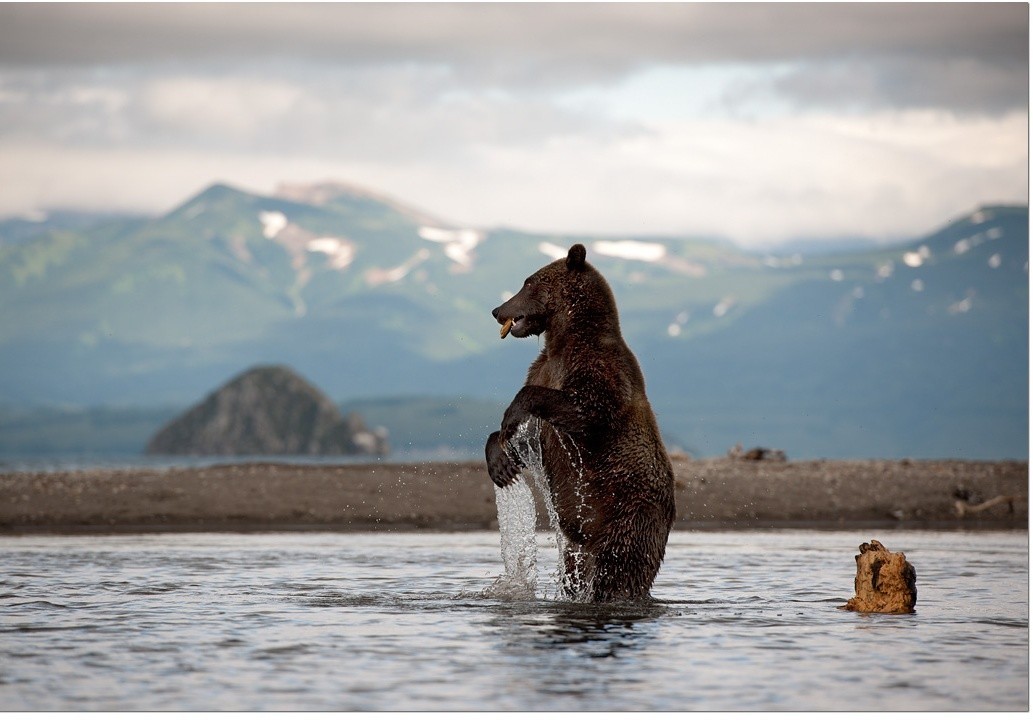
607 470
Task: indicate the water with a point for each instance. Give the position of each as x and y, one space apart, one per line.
744 621
517 516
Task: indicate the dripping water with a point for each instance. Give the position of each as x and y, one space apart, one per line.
518 518
577 582
517 521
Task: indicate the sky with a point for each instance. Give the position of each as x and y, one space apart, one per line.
759 123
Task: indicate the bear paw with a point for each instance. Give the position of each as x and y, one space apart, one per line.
503 467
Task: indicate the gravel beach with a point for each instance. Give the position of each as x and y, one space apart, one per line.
719 493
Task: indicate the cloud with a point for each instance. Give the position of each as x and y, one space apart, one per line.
759 183
545 44
383 113
755 122
438 31
821 176
225 107
962 84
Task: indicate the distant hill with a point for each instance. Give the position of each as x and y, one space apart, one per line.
18 229
919 349
269 410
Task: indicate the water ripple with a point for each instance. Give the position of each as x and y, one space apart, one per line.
401 622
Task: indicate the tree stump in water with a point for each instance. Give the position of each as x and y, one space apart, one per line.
885 582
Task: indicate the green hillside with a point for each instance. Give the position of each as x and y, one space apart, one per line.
920 349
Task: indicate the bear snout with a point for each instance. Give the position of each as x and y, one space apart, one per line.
497 315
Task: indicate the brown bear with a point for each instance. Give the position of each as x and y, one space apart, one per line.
608 473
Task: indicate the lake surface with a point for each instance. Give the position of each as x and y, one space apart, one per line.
390 621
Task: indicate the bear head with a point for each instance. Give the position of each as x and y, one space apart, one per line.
563 293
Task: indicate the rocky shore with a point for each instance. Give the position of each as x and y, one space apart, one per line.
444 496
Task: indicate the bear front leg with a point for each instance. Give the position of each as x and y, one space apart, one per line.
549 404
502 469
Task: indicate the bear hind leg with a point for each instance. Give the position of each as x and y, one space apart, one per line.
576 581
627 563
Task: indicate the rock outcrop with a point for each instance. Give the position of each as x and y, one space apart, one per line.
885 582
268 410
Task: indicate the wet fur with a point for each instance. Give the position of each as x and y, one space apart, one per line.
617 508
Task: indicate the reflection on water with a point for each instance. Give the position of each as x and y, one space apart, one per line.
578 658
585 632
743 621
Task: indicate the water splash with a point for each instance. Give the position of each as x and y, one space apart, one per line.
576 579
517 521
518 516
527 443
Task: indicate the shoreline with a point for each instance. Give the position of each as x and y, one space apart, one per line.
446 496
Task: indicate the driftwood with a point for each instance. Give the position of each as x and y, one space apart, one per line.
885 582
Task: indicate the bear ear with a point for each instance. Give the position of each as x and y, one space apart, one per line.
576 257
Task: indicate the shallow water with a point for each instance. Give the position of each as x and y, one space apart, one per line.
744 621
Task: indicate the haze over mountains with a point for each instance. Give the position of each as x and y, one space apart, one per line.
915 350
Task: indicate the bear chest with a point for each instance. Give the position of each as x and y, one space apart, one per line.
549 373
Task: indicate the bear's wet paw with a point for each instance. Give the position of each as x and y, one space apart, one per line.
503 467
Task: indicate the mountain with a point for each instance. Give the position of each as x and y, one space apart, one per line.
268 410
919 349
18 229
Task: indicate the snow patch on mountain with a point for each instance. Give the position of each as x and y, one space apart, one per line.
273 222
459 243
631 250
552 251
653 253
340 252
380 276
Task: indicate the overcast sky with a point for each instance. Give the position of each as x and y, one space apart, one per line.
759 123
